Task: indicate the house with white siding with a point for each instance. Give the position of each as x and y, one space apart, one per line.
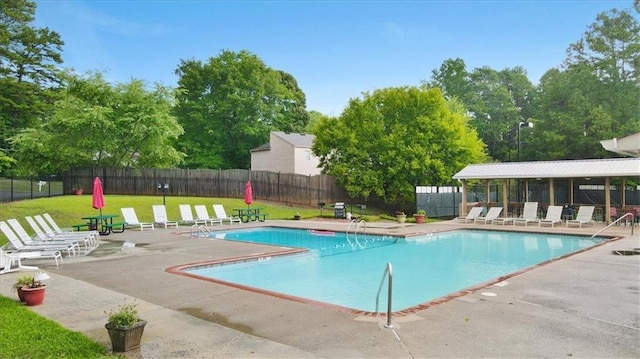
286 153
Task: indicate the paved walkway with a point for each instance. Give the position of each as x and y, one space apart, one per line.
583 306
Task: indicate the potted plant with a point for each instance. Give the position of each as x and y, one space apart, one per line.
77 189
401 217
22 281
296 216
33 289
419 217
125 328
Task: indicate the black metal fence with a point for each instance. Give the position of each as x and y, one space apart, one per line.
16 189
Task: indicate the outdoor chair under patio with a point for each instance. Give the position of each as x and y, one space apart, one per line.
554 215
493 213
584 216
529 214
187 216
473 213
222 214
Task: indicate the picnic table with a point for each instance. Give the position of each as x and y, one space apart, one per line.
250 214
102 223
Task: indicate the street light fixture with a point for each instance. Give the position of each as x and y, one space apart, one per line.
521 125
164 186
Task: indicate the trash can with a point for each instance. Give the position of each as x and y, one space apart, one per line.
339 209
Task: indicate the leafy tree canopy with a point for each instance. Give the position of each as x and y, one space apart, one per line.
228 106
28 57
96 123
595 96
496 100
392 139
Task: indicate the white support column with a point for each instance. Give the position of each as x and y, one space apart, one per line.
463 210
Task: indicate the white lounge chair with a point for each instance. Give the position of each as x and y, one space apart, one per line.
186 216
18 246
554 215
203 214
218 209
160 216
584 216
493 213
473 213
529 214
57 230
130 217
22 234
8 259
89 240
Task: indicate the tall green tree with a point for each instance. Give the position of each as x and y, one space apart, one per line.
596 95
28 73
395 138
496 100
96 123
228 106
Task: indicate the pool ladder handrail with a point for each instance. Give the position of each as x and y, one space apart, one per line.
388 273
358 223
614 222
198 231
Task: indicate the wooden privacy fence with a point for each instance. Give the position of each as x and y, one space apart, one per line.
271 186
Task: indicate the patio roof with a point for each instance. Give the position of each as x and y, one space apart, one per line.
615 167
628 145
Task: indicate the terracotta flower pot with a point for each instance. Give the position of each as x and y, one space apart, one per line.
33 296
419 218
20 293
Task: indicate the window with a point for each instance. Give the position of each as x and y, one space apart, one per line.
307 155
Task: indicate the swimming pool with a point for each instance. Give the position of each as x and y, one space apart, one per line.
346 271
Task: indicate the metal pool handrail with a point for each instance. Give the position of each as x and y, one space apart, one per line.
614 222
388 273
198 231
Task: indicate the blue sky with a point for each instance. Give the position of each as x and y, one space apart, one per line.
335 49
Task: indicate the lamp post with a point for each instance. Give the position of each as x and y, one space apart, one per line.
164 186
520 125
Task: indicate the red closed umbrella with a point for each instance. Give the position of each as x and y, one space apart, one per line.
248 193
98 195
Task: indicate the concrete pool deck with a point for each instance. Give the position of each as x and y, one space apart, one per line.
585 305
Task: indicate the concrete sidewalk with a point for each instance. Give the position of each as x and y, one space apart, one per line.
586 305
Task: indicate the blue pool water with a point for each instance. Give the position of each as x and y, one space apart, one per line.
347 270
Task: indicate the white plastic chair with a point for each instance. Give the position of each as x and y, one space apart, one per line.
584 216
529 214
554 215
186 216
493 213
130 217
222 215
203 214
473 214
160 216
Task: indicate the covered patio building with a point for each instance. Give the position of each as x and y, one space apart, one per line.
594 175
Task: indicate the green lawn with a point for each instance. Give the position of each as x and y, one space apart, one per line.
68 210
26 335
